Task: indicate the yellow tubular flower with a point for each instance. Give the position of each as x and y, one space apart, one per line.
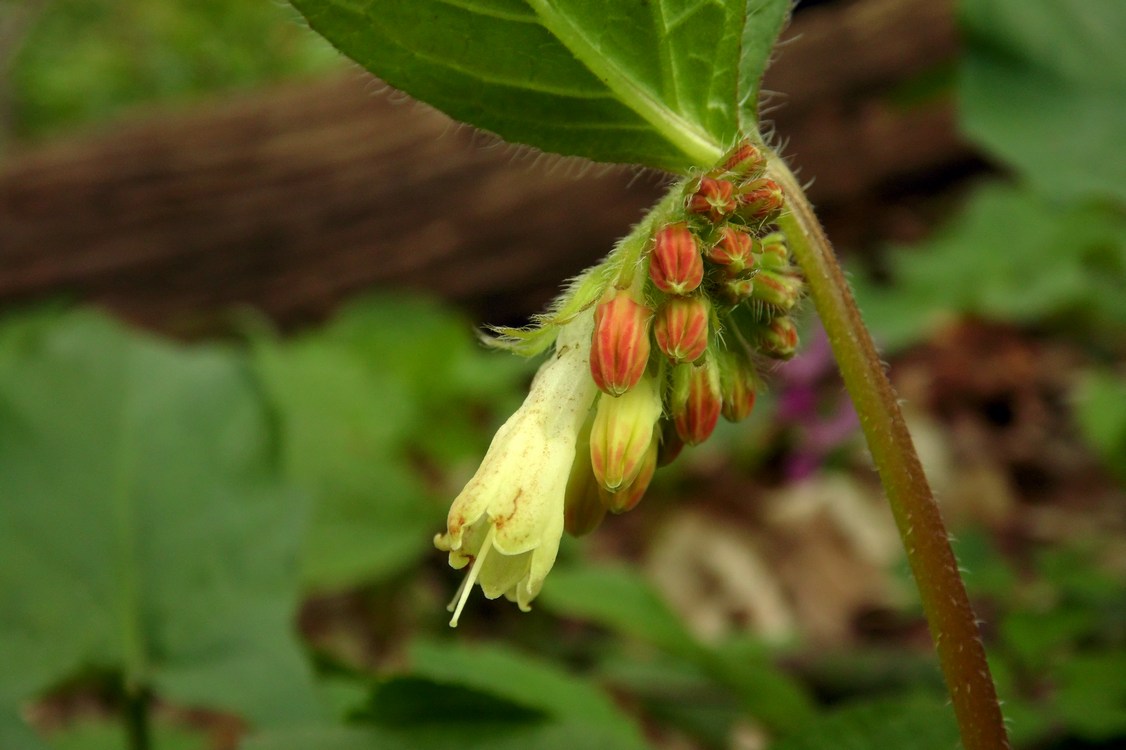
508 519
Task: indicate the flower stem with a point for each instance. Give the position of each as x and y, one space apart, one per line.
945 603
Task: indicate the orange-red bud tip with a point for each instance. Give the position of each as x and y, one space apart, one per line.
681 328
675 265
696 403
714 198
734 251
619 349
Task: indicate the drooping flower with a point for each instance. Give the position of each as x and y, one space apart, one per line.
507 521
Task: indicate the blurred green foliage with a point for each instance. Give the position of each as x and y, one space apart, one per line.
86 60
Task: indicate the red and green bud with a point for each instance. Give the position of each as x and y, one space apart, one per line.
681 328
760 200
622 431
739 387
779 338
713 198
675 265
743 160
779 290
583 509
737 291
619 349
628 496
696 402
734 251
772 251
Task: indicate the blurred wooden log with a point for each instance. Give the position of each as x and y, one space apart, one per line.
294 199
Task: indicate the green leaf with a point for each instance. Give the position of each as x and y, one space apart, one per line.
919 723
143 528
524 681
1100 409
343 426
1044 88
1010 255
666 83
618 598
105 735
1092 695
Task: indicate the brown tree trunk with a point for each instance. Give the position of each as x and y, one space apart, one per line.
292 200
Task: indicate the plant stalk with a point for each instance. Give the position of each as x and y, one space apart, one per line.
947 607
137 726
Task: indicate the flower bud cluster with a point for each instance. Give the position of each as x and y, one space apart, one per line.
651 347
672 352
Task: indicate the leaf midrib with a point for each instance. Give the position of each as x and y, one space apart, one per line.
700 147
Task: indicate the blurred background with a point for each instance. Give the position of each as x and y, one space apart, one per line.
240 383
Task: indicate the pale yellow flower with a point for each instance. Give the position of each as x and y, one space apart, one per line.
508 520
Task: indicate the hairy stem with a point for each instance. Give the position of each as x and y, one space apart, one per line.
945 603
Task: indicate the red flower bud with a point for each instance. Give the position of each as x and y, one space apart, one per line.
739 387
779 339
714 198
627 498
675 265
619 349
734 251
681 328
760 200
743 160
696 402
779 290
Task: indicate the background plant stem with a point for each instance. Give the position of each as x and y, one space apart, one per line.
137 727
945 603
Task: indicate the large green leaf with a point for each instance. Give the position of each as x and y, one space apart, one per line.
916 722
143 528
665 83
1010 255
1044 87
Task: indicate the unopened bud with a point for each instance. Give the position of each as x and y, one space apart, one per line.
739 387
772 252
779 338
681 328
743 160
734 251
737 291
695 402
760 200
621 433
675 265
627 497
619 349
779 290
713 198
583 509
671 444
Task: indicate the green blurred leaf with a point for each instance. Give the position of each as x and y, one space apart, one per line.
1100 409
143 528
90 59
343 427
1010 255
1044 87
617 597
667 84
524 681
1092 695
765 692
915 722
105 735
